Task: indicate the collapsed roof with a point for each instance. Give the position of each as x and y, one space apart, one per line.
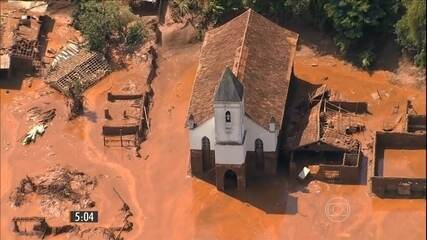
19 34
76 63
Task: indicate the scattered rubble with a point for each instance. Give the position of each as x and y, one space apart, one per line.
22 41
31 135
42 119
37 226
36 114
110 232
58 187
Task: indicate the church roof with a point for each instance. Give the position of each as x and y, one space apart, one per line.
260 55
230 89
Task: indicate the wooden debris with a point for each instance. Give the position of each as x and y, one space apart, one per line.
57 184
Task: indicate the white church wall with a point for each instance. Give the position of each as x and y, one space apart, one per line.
205 129
230 154
235 132
255 131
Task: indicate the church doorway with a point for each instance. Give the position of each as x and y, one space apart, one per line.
230 180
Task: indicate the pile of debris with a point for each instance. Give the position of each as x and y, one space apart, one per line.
110 232
57 188
37 226
41 119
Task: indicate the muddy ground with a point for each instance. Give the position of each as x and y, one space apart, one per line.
166 201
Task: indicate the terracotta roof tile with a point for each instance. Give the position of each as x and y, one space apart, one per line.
260 53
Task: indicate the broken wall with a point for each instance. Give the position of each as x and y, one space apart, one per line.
354 107
396 187
416 123
344 174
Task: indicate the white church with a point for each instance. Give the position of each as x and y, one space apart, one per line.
238 101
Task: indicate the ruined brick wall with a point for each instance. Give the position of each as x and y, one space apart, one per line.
112 97
117 131
319 147
399 187
416 123
354 107
345 174
395 140
399 140
396 187
339 173
21 65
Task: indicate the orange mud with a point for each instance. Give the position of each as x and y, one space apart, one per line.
404 163
166 201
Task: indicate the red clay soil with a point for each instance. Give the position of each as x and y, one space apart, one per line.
167 202
405 163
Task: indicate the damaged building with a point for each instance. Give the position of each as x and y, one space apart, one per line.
125 119
320 138
237 104
126 116
38 227
20 36
76 63
30 226
399 164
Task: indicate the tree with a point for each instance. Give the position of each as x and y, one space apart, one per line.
75 100
90 19
182 8
101 22
135 34
352 19
411 30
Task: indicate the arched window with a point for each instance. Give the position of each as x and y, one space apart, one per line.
259 153
227 116
206 154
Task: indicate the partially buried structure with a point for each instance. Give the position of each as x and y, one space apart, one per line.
399 166
76 63
126 116
20 35
238 100
320 137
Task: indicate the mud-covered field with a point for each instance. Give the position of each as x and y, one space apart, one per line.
167 203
